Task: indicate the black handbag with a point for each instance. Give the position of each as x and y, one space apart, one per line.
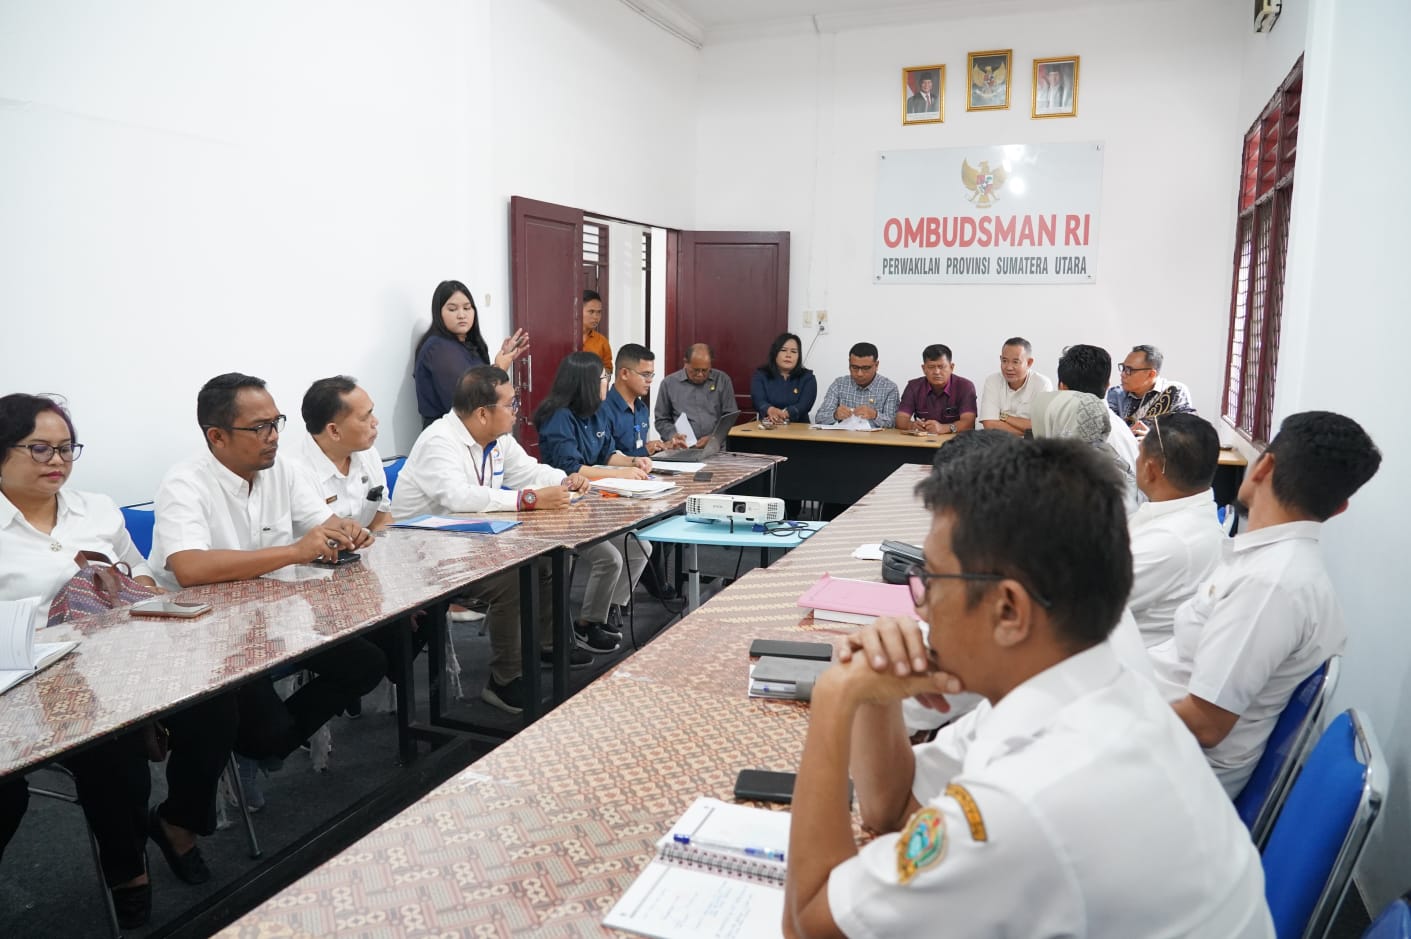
898 558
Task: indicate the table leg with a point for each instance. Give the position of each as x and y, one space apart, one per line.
406 693
528 639
693 574
562 624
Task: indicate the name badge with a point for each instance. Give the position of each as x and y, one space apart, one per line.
330 500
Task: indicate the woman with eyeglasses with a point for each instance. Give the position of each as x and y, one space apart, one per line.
575 435
782 389
451 345
43 526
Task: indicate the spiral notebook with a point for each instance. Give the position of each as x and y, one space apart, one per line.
719 872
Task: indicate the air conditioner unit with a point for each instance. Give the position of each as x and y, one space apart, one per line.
1266 13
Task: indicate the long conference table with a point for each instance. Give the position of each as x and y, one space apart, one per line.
541 836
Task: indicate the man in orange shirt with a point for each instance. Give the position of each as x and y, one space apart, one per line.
594 341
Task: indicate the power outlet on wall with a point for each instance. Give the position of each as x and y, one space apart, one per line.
822 321
807 319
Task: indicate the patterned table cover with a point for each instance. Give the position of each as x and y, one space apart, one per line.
542 836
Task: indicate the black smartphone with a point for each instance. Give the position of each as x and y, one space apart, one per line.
702 476
344 557
787 649
762 785
375 494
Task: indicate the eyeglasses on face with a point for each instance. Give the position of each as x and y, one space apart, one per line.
265 430
513 404
1125 370
648 377
696 371
919 580
43 452
861 368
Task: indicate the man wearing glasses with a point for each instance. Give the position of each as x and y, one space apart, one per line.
625 405
699 391
1072 801
239 511
1144 393
469 461
862 393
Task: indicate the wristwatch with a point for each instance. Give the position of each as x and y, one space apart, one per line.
952 428
528 500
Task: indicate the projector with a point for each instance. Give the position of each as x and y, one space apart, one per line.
752 509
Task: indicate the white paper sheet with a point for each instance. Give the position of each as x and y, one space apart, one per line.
683 427
672 902
868 552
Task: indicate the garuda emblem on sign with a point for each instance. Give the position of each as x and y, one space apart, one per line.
984 183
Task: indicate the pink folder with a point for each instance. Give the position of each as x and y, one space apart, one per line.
856 601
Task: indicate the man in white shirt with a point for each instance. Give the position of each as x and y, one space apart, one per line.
1008 395
1089 369
238 512
468 461
1071 802
1176 540
339 456
1267 617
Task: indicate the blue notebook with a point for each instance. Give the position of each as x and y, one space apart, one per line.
479 526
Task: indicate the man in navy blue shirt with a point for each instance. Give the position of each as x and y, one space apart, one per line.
625 407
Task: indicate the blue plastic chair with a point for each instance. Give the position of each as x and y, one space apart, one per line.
139 520
1394 923
392 466
1263 795
1319 835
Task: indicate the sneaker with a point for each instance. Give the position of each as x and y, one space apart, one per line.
593 638
577 658
509 697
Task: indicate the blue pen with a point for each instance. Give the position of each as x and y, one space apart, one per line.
765 853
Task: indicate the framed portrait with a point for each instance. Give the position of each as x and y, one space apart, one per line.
989 80
923 94
1055 87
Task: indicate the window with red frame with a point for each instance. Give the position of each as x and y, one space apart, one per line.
1261 244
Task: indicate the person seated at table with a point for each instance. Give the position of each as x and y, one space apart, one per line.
1088 369
238 511
339 459
452 344
631 422
1176 539
1009 393
861 393
990 828
1079 416
594 341
1144 393
43 525
698 390
469 461
1267 618
781 389
940 401
576 436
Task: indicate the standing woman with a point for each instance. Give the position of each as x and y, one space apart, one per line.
43 526
575 435
451 345
782 389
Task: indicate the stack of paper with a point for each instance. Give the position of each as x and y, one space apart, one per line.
676 466
20 655
634 488
483 526
841 600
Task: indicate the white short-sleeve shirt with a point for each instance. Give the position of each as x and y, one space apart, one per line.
1264 621
1176 546
998 398
33 564
346 496
1079 805
202 506
447 471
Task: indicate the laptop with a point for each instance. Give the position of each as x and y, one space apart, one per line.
713 446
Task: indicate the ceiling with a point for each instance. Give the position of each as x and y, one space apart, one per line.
702 22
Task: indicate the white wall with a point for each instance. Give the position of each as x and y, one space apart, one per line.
1344 325
786 119
191 188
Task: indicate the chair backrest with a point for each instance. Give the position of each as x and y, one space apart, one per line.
139 520
1259 802
392 466
1319 835
1394 923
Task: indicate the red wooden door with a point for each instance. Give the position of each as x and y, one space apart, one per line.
732 291
546 284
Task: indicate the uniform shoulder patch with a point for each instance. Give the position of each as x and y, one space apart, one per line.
922 843
972 811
